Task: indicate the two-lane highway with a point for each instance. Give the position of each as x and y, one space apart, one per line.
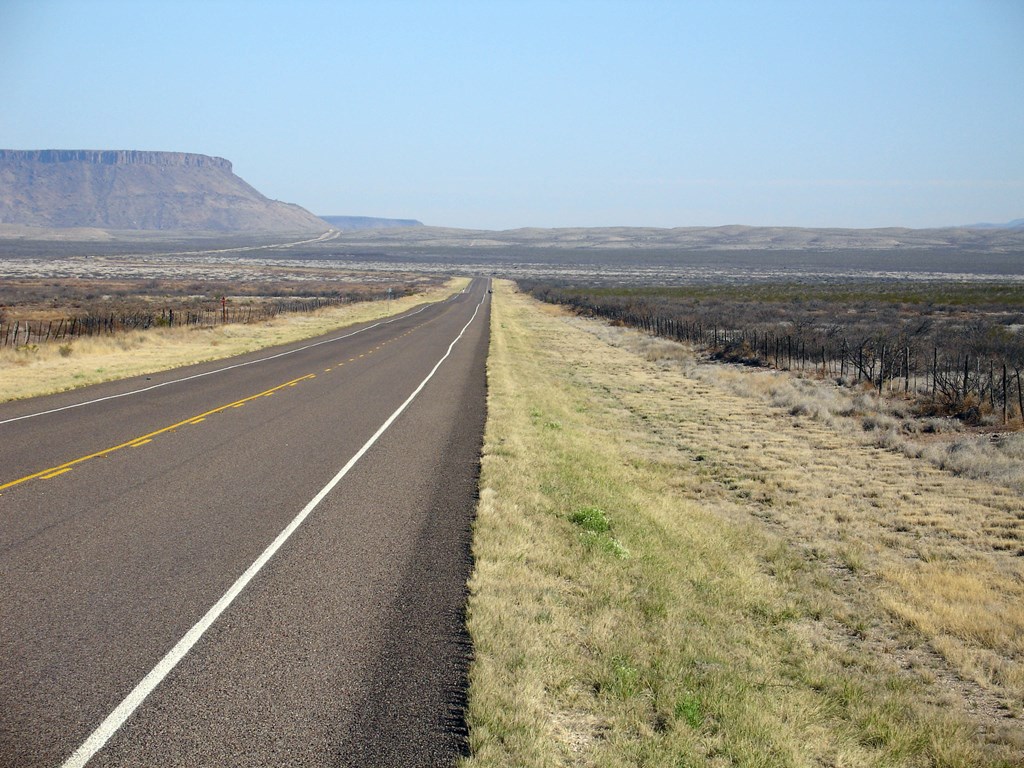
253 562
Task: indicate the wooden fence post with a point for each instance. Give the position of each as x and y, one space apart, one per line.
1004 393
1020 396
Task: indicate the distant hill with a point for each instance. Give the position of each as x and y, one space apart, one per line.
1015 224
352 223
133 190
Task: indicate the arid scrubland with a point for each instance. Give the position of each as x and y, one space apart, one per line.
948 348
677 566
34 370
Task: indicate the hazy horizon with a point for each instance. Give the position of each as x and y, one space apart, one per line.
530 114
975 224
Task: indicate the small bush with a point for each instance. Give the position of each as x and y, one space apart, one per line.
591 519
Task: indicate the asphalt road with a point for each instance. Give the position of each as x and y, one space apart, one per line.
128 522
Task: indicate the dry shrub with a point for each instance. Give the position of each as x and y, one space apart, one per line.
979 456
888 422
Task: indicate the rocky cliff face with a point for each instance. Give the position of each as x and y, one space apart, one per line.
114 157
133 190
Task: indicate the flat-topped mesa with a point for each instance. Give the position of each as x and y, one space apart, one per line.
121 189
116 157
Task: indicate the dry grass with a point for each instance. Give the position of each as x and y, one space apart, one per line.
669 573
992 454
38 370
944 546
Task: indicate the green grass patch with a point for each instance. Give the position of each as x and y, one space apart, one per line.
591 519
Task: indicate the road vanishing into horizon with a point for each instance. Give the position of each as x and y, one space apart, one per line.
259 561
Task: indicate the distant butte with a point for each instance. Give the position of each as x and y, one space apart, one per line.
135 190
352 223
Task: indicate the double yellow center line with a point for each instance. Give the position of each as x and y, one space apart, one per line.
60 469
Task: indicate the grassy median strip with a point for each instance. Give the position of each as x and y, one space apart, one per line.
644 596
47 368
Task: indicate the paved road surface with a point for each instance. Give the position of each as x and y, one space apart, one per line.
124 521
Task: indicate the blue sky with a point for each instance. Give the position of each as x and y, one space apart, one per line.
561 113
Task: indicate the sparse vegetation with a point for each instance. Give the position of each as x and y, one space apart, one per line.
954 349
44 311
791 596
33 370
889 423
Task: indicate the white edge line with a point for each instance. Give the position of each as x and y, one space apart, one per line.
210 373
99 737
